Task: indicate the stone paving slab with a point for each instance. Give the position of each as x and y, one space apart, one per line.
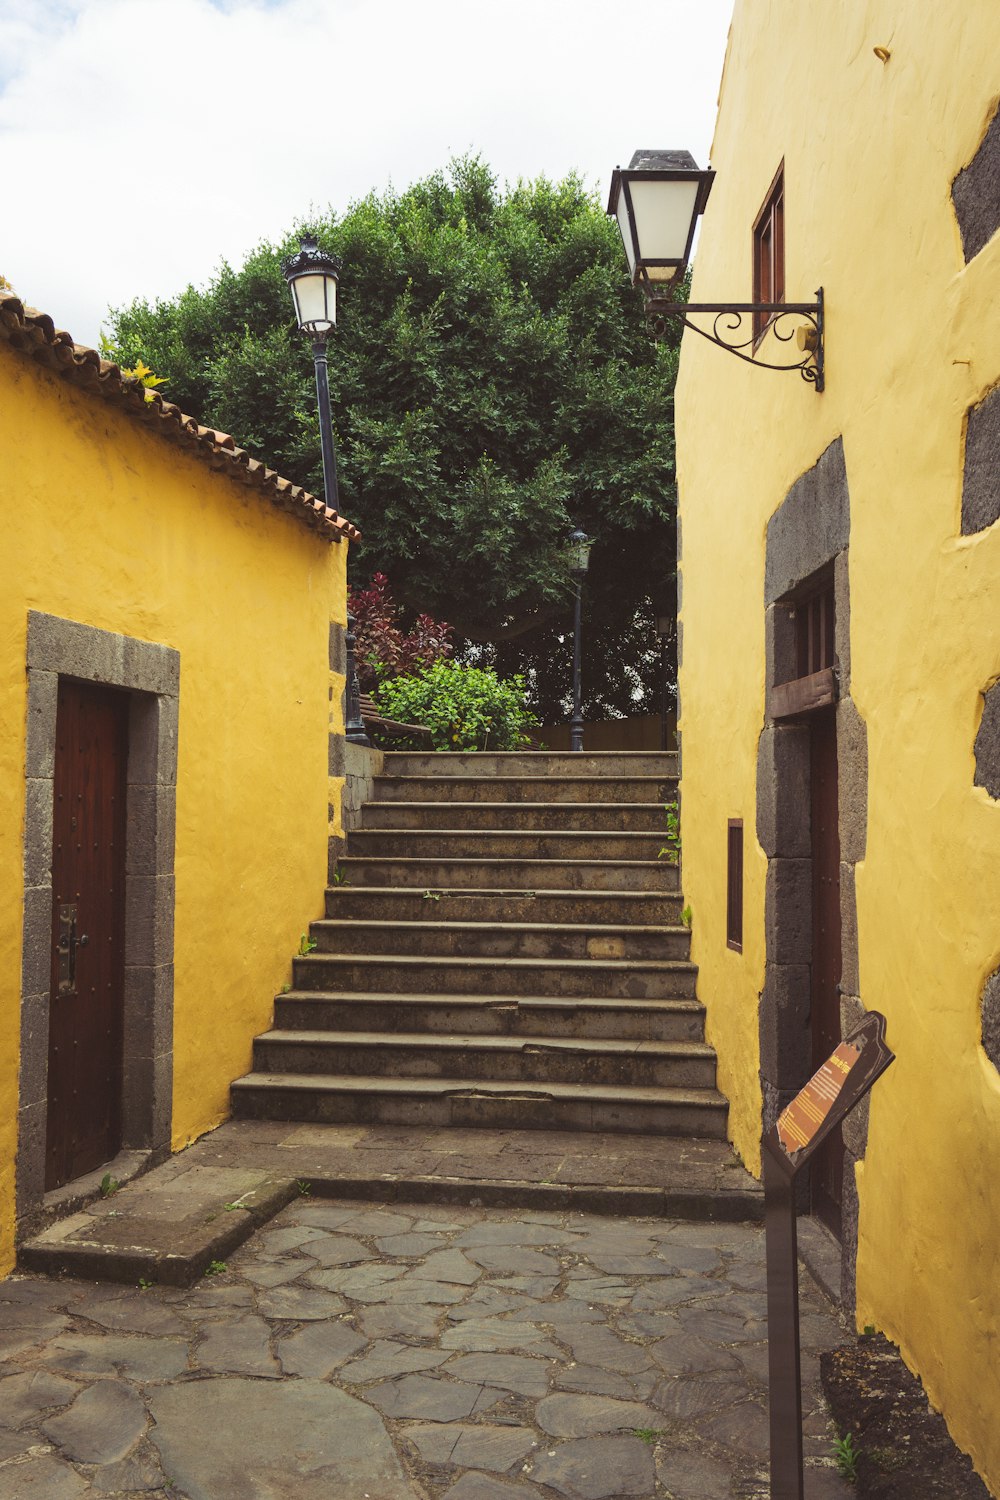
486 1380
165 1227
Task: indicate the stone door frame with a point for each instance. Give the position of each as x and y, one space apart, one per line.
150 673
807 537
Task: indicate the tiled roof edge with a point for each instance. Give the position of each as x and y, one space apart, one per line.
35 334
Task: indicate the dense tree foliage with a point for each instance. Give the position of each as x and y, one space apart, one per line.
493 386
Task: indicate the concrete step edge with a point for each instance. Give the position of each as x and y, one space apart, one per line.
610 1046
468 860
216 1239
399 806
528 756
556 893
114 1266
446 960
680 1004
578 834
327 1083
558 929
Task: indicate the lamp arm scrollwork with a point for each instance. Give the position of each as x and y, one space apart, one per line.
728 329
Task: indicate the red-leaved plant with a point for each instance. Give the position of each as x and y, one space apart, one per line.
379 641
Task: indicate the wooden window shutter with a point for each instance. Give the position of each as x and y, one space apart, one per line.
734 886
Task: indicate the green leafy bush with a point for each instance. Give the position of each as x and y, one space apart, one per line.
465 708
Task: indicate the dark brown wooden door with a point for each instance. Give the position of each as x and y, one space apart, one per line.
88 921
827 1170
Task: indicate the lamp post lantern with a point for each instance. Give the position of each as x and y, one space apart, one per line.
579 556
312 277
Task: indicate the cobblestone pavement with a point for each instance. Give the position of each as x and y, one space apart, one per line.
358 1352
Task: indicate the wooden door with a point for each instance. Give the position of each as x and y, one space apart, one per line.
88 923
827 1170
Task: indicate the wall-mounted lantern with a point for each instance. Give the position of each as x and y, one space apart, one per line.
656 200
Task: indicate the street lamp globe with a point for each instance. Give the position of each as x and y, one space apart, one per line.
657 199
578 551
312 276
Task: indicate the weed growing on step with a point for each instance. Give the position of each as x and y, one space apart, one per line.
846 1456
306 945
305 1188
671 850
432 895
284 989
339 876
144 1284
687 916
216 1268
109 1185
647 1435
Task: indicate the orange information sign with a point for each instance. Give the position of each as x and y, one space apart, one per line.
799 1122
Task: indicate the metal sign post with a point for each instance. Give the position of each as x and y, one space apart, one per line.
816 1110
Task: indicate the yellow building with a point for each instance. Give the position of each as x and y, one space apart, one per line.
171 632
853 537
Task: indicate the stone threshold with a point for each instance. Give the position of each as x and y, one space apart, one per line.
170 1225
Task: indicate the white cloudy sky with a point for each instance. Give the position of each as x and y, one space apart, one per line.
144 140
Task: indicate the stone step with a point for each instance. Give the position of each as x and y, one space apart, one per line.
526 1059
599 789
466 1103
653 875
559 817
610 764
397 905
506 940
553 1016
413 843
592 978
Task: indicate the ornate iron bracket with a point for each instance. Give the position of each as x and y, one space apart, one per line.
729 330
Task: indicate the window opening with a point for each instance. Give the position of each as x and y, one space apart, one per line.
769 252
734 886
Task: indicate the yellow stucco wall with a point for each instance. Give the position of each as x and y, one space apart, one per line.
109 525
870 152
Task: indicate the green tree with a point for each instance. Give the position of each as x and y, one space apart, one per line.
493 386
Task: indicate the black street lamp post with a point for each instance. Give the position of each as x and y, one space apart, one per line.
312 276
665 629
579 555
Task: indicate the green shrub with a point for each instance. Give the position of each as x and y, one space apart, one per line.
465 708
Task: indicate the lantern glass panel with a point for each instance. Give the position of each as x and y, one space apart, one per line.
579 552
315 296
664 212
626 231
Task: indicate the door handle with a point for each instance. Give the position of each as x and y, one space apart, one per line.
66 947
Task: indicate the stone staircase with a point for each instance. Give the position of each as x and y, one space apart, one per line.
505 951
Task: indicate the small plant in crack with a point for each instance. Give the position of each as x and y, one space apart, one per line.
671 850
305 1188
846 1456
648 1435
216 1268
306 945
109 1185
